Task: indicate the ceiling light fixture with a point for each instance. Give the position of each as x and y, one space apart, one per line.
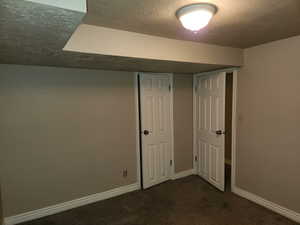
196 16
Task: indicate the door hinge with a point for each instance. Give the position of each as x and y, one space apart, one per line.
196 158
171 162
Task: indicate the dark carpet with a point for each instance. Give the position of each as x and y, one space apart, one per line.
187 201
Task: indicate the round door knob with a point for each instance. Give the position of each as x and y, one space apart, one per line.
146 132
220 132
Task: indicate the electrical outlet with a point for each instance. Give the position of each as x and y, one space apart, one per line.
125 173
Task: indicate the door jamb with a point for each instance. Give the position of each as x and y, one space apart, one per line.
172 124
195 160
234 128
137 127
138 132
234 121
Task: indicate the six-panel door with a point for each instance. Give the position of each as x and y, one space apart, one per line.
156 117
210 116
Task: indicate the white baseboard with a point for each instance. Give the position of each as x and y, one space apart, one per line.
183 174
69 205
267 204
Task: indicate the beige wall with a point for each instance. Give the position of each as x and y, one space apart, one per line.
129 44
68 133
268 148
183 122
64 134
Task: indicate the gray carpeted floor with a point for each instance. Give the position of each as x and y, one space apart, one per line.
187 201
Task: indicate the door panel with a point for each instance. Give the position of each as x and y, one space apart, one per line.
210 116
156 118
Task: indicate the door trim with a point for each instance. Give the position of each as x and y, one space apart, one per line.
195 161
172 125
233 128
137 127
234 119
138 132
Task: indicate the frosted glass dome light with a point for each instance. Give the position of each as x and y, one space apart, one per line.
196 16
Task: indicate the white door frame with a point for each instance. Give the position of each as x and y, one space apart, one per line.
234 120
137 127
138 131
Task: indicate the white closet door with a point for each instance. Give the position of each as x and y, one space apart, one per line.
156 117
210 118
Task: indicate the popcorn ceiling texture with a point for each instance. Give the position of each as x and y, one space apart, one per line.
237 23
34 34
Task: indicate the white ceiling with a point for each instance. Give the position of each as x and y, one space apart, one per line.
75 5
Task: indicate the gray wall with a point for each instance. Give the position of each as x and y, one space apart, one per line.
183 122
268 148
68 133
64 134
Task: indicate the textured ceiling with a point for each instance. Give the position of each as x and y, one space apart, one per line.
34 34
238 23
